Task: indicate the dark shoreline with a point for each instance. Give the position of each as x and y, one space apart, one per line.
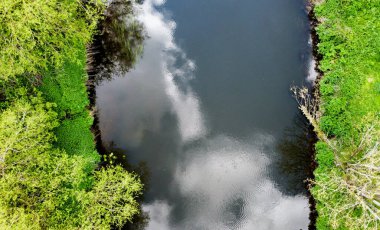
91 93
91 90
313 21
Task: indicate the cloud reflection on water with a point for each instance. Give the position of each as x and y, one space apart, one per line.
223 182
312 64
224 185
148 103
184 102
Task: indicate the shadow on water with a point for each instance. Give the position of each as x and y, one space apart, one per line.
292 168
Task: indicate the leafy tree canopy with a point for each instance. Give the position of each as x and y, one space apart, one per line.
36 33
43 187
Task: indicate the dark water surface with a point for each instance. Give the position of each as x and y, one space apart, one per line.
208 109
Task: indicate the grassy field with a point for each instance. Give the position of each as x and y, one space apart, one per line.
347 180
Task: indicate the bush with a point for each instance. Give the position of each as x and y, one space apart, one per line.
74 135
66 87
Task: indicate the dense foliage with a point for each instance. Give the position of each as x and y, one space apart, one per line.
347 179
50 174
34 34
350 43
43 187
66 87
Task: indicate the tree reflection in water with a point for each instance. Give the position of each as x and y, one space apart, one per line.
119 43
114 51
296 149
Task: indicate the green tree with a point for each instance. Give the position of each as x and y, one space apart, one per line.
113 198
34 34
26 127
43 187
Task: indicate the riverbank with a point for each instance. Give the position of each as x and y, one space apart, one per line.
315 92
51 175
346 184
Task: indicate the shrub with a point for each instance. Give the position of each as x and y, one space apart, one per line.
66 87
74 135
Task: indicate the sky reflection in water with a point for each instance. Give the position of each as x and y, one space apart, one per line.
208 180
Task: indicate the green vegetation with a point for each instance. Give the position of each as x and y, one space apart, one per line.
347 180
65 86
350 45
35 34
50 175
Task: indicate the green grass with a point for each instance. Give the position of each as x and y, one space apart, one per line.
349 33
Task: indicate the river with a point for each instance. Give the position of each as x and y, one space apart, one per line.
208 110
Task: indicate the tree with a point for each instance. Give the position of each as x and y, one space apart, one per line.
113 198
43 187
34 34
26 127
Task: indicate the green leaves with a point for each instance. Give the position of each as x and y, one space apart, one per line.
349 44
48 162
113 198
44 187
35 34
